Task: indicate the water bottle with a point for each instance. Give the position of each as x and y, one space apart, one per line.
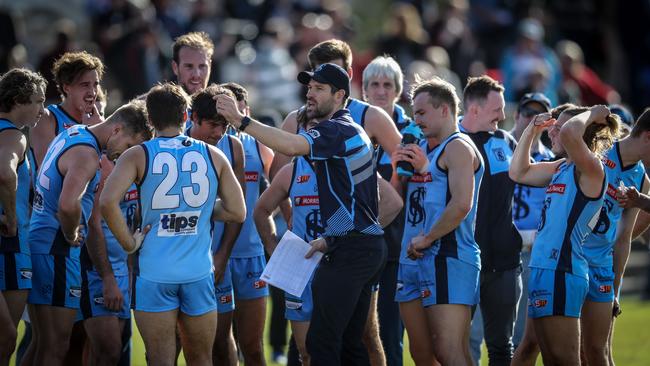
411 134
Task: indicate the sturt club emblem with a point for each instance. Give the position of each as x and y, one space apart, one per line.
313 227
416 212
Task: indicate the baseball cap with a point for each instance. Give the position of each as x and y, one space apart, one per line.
331 74
537 98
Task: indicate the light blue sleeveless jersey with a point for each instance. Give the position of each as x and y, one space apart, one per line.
459 243
248 243
414 213
527 201
599 244
303 192
19 244
177 196
567 219
358 111
45 236
117 257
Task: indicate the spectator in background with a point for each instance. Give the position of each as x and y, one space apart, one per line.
404 38
65 34
591 89
7 38
439 58
529 65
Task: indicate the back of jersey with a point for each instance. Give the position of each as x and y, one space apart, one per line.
225 145
45 236
177 195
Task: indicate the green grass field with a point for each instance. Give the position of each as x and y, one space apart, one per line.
631 340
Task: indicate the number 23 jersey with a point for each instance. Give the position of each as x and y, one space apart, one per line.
177 195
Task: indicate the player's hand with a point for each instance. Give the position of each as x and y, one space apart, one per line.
76 239
317 245
220 264
627 196
92 117
417 245
227 107
138 238
542 122
113 298
599 114
8 226
413 154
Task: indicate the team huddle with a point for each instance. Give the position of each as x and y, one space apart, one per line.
164 208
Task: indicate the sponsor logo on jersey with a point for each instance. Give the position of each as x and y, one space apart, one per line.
605 289
306 201
178 223
302 179
131 195
259 284
540 303
75 292
252 176
26 273
609 163
417 178
225 299
556 188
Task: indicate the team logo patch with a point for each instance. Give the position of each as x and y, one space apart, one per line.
26 273
179 223
540 303
314 134
605 289
302 179
225 299
99 300
556 188
37 205
252 176
259 284
75 292
499 154
306 201
554 254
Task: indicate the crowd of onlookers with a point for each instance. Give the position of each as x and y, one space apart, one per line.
587 51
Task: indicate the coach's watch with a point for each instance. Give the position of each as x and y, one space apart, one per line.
244 123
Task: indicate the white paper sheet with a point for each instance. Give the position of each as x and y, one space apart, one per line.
288 269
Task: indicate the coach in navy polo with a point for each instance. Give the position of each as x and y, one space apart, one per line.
347 184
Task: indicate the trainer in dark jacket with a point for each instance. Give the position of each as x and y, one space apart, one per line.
498 239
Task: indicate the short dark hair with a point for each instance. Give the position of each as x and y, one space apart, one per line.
642 124
241 94
133 116
167 105
478 88
439 91
17 87
555 112
196 40
328 51
204 106
72 65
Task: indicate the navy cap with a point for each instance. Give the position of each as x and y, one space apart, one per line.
537 98
331 74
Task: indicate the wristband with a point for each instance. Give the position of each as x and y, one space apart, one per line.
244 123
